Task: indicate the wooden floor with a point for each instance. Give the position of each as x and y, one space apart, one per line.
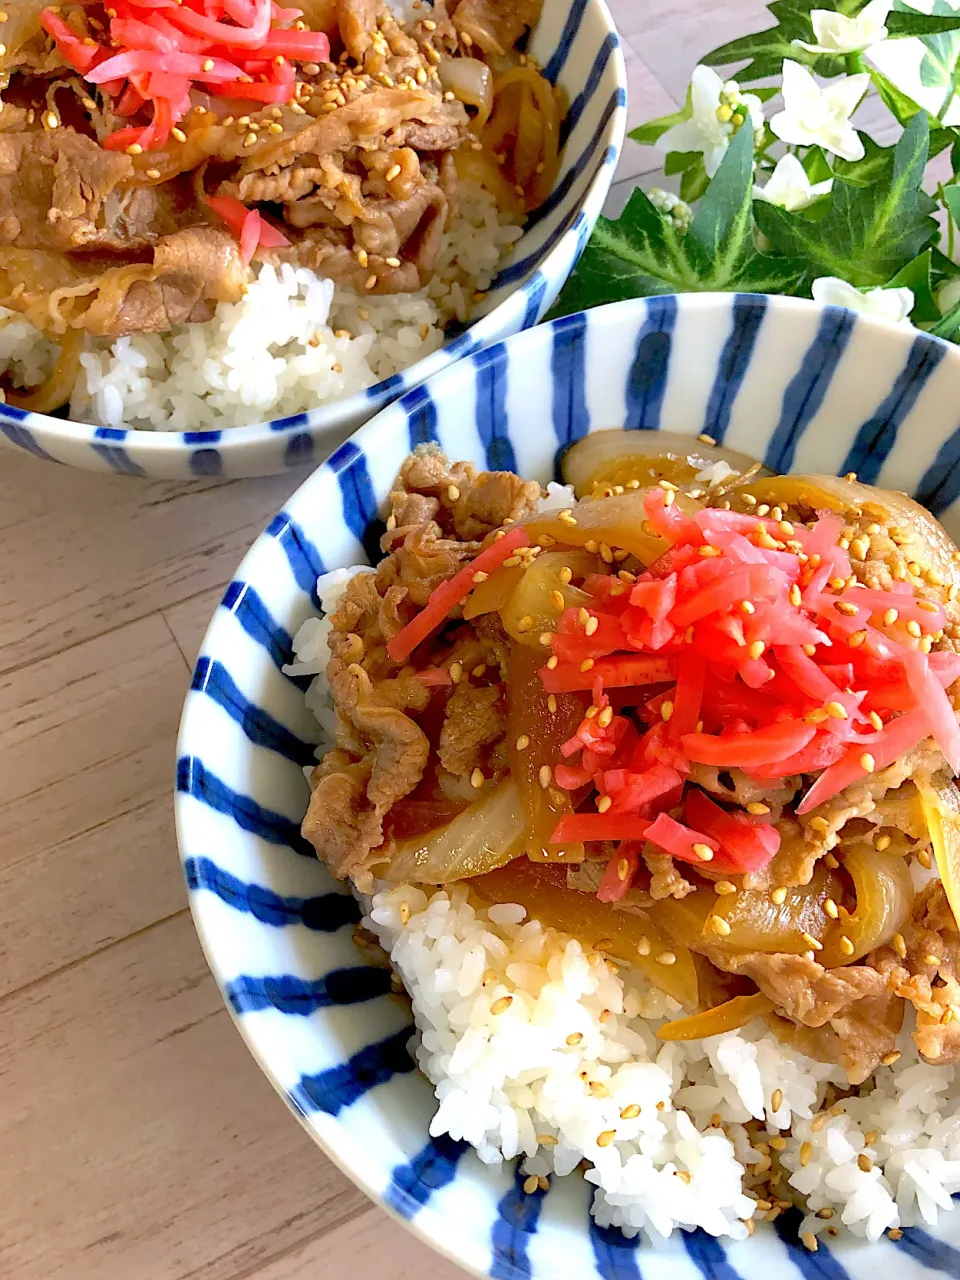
139 1140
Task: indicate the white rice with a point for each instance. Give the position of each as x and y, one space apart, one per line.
505 1081
276 352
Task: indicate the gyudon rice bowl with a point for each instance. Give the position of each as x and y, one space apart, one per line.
214 212
646 783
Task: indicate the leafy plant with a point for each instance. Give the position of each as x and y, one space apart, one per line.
783 206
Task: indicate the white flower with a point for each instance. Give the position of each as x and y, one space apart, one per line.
716 108
835 33
789 187
885 304
815 116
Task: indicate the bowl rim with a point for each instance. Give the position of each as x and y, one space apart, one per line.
341 413
342 1149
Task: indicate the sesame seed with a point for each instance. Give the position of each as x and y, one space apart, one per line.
811 941
546 639
779 896
724 888
831 908
479 669
875 720
809 649
605 718
531 1184
826 1213
480 576
604 1139
153 174
846 946
795 596
931 959
501 1005
552 703
819 1121
180 135
776 1100
567 517
666 957
586 665
864 1163
553 661
808 1238
546 1140
603 804
666 709
846 608
913 629
890 617
899 946
525 623
704 853
836 711
857 639
895 1233
393 172
806 1151
867 762
756 649
890 1058
456 672
719 925
370 282
134 149
631 1112
477 778
881 843
591 626
545 776
574 1039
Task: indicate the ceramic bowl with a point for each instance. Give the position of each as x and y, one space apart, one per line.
577 45
803 387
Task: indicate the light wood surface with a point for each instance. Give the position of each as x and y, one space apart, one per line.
139 1139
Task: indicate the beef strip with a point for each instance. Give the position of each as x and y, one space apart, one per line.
190 272
348 804
928 975
461 502
474 719
493 25
54 190
853 1016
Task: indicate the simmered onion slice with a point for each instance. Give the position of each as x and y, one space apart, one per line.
617 457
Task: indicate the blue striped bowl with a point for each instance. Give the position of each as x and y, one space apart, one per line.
801 386
577 45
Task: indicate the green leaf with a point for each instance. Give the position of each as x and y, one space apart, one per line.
916 275
949 326
642 254
694 181
898 103
766 50
951 196
909 23
925 67
679 161
815 165
873 167
868 233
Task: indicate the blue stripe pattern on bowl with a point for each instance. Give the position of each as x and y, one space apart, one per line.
578 47
785 380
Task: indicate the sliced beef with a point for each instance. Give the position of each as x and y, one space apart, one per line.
191 271
926 971
54 189
357 20
494 25
467 505
474 720
854 1016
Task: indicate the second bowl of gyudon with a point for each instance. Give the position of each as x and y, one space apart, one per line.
643 781
230 233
